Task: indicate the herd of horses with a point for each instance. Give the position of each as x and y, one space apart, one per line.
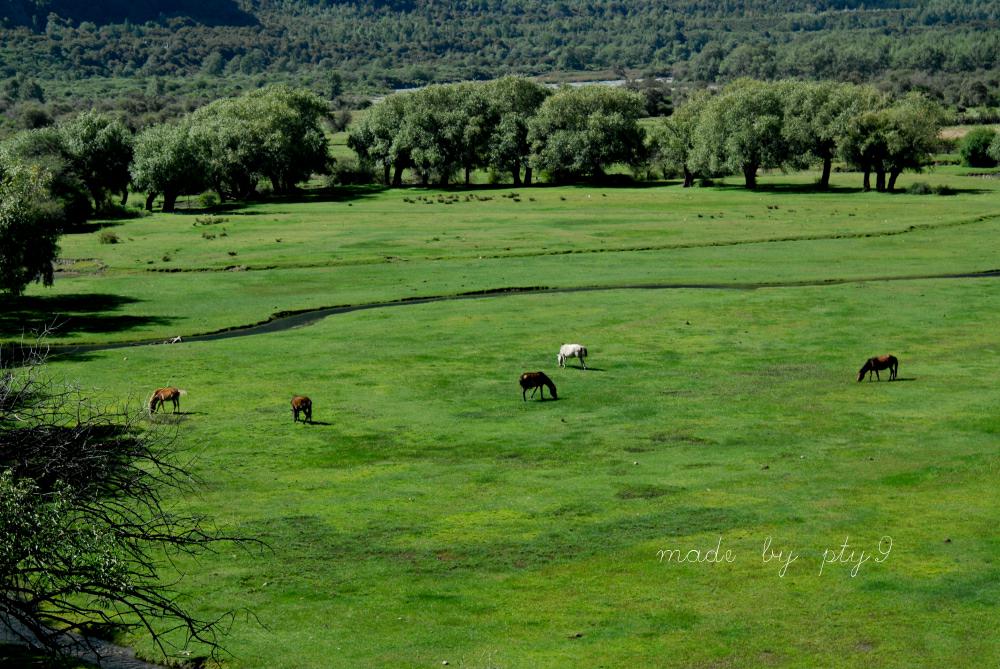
533 381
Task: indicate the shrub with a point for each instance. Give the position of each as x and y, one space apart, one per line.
350 172
944 190
920 188
108 237
975 148
208 199
209 220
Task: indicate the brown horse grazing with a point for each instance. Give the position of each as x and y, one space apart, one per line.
879 362
536 380
301 403
163 395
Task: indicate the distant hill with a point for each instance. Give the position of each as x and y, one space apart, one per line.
948 47
34 13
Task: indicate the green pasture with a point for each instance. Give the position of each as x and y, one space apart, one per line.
430 515
433 515
168 274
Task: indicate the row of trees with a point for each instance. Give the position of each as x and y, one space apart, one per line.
511 125
55 178
515 126
750 125
230 145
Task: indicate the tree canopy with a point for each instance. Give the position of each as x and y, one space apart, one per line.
30 223
580 132
83 530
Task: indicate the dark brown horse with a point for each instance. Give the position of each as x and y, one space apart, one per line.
536 380
879 362
304 405
163 395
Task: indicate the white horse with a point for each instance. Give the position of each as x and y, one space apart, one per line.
572 351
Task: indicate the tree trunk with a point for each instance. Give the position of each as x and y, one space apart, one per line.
385 175
397 174
527 176
124 197
893 175
688 177
750 175
824 179
150 198
868 180
880 180
468 175
169 199
516 173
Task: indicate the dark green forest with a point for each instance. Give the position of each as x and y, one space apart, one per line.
160 59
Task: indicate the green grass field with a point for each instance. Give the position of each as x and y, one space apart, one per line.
430 515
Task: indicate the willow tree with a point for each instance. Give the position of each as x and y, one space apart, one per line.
740 131
580 132
513 102
30 223
376 139
817 116
167 161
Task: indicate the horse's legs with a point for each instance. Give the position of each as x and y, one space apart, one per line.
583 362
524 392
877 377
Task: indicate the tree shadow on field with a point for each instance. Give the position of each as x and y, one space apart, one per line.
791 189
62 315
192 207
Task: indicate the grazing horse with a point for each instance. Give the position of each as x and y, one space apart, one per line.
572 351
536 380
879 362
163 395
301 403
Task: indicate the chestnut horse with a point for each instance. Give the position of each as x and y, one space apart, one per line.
163 395
879 362
536 380
304 405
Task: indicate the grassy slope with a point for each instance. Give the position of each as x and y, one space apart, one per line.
433 515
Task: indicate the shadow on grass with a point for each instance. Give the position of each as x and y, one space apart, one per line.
64 315
91 226
786 188
325 194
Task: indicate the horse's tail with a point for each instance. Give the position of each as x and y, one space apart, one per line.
583 351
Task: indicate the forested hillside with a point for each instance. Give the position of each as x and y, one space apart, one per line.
35 13
947 47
